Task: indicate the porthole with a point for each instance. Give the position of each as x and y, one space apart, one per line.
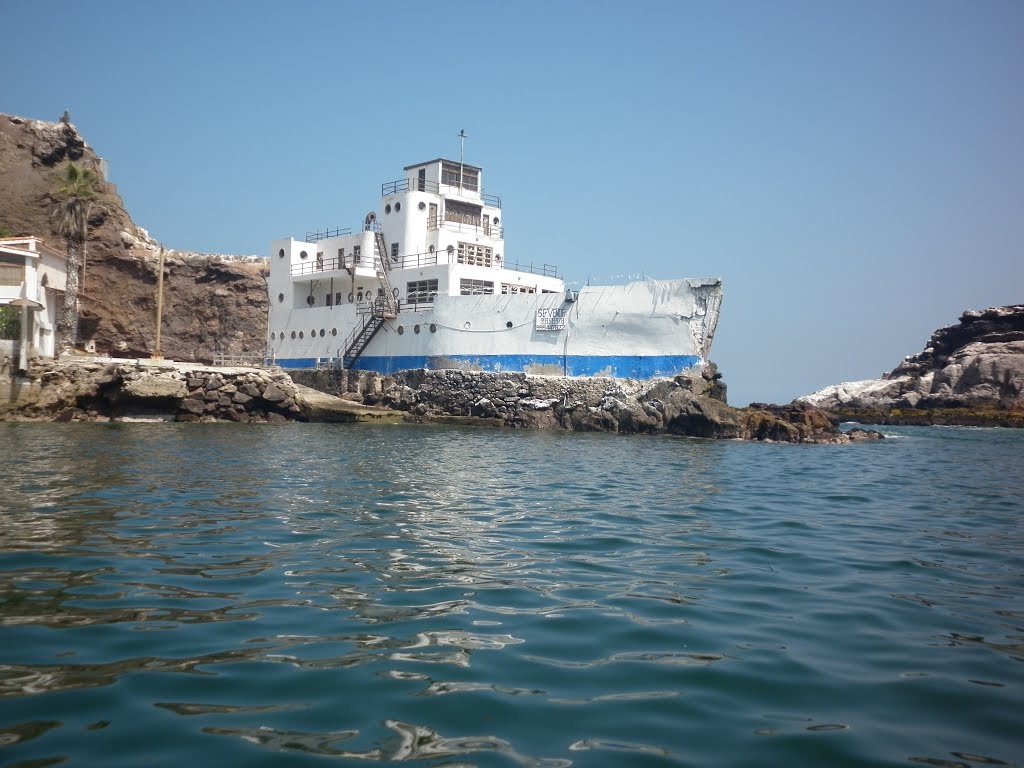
398 207
497 221
451 249
359 295
394 292
497 258
350 298
508 324
280 254
401 330
280 297
422 206
387 208
303 255
431 249
415 329
312 334
311 300
467 324
433 328
273 336
334 331
322 333
293 334
300 334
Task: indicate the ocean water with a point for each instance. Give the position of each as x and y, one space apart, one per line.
311 595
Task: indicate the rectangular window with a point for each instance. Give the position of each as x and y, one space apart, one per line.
337 298
394 251
357 251
12 274
475 255
420 291
320 261
463 213
452 172
508 288
476 287
329 298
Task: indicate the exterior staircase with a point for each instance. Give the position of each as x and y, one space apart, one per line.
360 338
384 307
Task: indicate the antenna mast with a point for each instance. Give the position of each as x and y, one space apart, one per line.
462 151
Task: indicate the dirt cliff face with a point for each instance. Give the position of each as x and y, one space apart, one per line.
212 303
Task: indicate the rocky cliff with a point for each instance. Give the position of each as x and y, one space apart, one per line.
212 303
968 373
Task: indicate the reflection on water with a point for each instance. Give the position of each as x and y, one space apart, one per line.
451 596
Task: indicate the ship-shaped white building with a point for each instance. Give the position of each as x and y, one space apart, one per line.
426 283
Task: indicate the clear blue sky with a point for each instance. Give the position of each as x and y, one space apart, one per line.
853 171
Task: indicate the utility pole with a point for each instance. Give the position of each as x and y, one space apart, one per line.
157 354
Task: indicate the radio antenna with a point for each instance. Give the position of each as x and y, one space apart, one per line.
462 152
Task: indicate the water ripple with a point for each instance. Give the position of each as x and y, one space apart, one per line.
467 597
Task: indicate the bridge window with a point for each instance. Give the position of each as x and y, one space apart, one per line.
451 172
507 288
421 291
463 213
475 255
476 287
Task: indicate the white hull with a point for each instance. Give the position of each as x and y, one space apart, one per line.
638 330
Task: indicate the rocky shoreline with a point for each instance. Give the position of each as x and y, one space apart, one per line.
692 404
969 374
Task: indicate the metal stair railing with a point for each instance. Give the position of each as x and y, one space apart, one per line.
360 338
383 264
382 308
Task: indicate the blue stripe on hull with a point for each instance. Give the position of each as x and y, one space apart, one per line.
620 366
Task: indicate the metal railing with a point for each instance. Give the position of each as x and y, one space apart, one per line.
424 185
487 230
415 260
547 270
315 237
239 358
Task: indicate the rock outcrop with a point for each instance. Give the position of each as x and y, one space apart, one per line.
969 373
212 303
691 404
153 391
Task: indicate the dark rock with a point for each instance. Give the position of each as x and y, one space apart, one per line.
273 394
188 405
972 371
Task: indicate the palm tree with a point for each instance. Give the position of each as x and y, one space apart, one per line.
75 194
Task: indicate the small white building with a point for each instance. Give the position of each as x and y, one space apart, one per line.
33 276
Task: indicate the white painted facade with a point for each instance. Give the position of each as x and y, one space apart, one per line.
33 276
433 251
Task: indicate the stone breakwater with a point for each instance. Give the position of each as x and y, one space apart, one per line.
691 404
151 391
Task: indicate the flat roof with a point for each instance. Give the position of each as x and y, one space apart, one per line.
443 160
